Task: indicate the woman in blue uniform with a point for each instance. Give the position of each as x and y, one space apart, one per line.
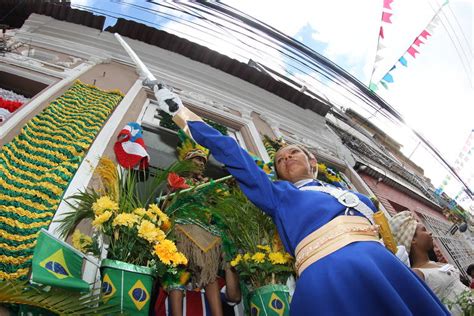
342 268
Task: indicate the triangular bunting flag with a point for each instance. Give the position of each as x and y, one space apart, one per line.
386 17
373 87
417 42
425 34
386 4
384 84
412 51
393 67
403 61
381 32
436 20
388 77
430 28
380 46
378 58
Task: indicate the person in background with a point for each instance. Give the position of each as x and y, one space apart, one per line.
470 272
196 237
442 278
342 267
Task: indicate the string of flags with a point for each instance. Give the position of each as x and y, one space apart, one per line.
463 158
412 50
386 19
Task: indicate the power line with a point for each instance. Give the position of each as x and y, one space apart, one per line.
462 32
467 69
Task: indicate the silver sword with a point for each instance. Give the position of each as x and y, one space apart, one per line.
173 106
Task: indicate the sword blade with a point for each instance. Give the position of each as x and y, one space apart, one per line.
140 65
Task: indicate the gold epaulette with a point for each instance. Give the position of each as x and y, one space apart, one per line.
385 232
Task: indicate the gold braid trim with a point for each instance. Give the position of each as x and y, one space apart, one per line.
384 230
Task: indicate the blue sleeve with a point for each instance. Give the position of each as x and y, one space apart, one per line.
253 181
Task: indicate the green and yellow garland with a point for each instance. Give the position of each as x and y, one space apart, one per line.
37 165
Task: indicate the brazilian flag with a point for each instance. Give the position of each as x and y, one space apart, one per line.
57 264
127 285
270 300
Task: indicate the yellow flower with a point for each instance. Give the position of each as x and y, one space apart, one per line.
258 257
277 258
165 225
165 251
148 231
125 219
102 218
151 216
104 203
155 209
76 238
139 211
236 260
80 241
246 257
184 277
179 259
266 248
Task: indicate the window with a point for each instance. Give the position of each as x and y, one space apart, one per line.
161 139
15 91
457 248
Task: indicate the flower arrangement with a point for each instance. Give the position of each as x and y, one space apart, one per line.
264 266
135 230
137 237
258 257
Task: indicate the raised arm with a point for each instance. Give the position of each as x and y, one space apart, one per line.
253 181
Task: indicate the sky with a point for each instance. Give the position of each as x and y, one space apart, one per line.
434 93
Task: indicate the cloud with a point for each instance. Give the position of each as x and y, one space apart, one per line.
337 24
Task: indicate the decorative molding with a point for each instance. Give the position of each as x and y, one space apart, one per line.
32 64
274 125
41 98
25 73
246 113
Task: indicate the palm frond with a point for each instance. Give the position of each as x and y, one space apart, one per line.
81 203
247 225
59 301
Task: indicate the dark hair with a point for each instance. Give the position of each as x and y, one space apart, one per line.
308 154
470 269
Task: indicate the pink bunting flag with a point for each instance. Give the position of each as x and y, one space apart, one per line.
412 51
417 42
381 32
386 17
386 4
425 34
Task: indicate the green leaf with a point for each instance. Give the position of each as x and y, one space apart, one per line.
59 301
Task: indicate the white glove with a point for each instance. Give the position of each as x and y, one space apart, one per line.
402 254
291 283
167 100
